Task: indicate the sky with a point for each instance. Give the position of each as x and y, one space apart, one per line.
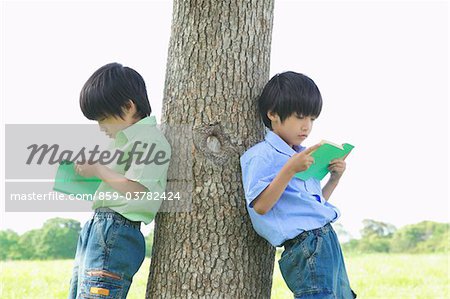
382 69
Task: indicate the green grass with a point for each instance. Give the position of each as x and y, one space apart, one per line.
371 275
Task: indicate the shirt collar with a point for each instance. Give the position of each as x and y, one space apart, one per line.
130 132
281 146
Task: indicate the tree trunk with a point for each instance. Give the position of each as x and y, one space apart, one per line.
218 63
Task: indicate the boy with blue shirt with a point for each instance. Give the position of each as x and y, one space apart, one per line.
286 210
111 247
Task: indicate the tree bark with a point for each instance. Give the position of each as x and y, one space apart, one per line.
218 63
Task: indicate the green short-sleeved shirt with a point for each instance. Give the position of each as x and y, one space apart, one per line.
147 139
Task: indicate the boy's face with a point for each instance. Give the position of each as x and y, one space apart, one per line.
113 124
294 129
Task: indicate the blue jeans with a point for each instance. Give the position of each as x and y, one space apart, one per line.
313 267
110 251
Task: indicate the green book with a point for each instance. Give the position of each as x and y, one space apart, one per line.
327 152
69 182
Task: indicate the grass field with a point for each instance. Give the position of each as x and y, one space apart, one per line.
372 276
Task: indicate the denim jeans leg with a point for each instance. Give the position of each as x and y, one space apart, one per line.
313 266
79 258
114 253
74 278
344 289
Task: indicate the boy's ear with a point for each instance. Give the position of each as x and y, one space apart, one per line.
129 105
272 116
129 109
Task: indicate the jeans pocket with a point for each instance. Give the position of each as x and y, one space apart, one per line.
299 268
106 232
102 286
98 289
311 245
291 264
288 271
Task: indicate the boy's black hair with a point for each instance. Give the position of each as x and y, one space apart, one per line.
288 93
108 91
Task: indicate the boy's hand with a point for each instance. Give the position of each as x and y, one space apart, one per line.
87 170
336 168
302 161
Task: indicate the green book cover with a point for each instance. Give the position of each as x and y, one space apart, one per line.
327 152
69 182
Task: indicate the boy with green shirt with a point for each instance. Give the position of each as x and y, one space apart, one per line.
111 247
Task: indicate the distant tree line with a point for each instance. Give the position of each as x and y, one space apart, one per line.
57 239
423 237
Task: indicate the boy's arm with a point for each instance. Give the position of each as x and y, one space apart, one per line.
116 180
269 197
336 168
329 187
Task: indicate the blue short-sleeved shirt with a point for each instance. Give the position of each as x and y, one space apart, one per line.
301 206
